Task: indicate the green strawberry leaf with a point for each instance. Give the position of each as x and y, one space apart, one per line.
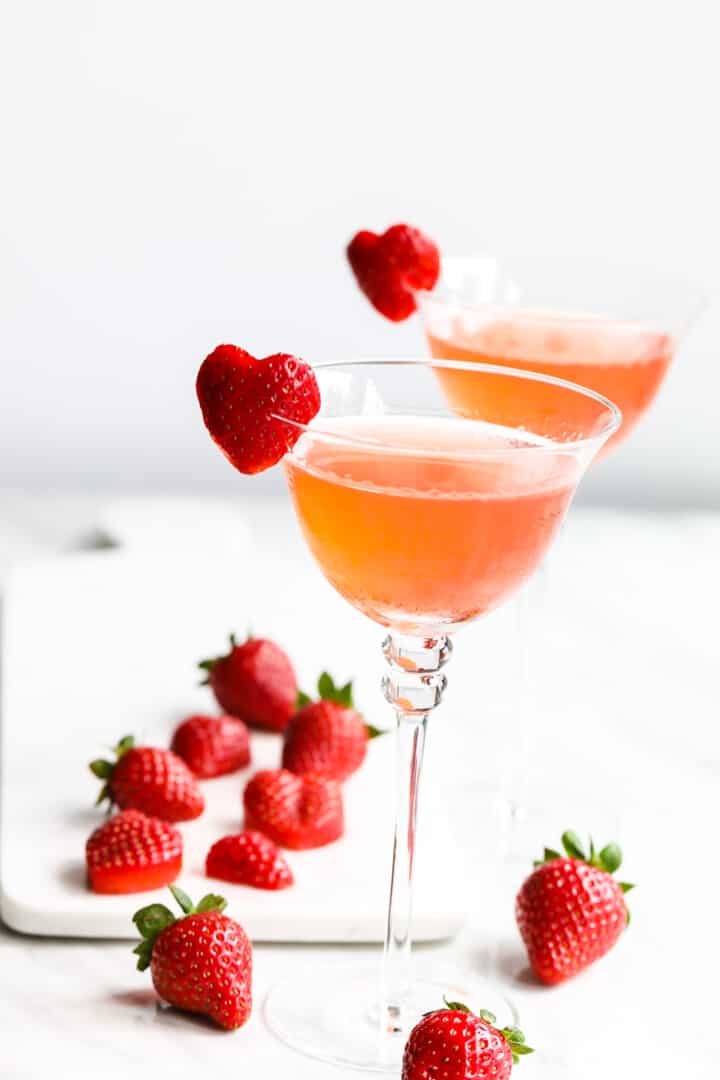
550 854
143 951
302 700
183 899
101 769
328 691
486 1015
151 920
374 732
211 902
625 886
610 858
326 687
573 845
456 1006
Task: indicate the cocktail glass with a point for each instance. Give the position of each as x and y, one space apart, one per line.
606 327
423 520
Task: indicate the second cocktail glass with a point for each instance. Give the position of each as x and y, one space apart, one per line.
424 515
611 328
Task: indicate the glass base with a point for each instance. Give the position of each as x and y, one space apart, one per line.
334 1017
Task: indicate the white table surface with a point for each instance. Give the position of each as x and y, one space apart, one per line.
616 729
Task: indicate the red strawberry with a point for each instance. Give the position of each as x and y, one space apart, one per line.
327 737
295 811
133 853
242 399
254 681
212 745
571 911
390 268
455 1044
249 859
155 781
201 962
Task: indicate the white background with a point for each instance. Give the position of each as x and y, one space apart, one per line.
176 174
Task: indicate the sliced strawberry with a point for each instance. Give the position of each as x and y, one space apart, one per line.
243 400
390 268
212 745
295 811
132 852
249 859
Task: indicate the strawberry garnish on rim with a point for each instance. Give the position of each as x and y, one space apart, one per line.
392 267
571 910
252 407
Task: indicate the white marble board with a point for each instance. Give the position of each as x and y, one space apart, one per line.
97 645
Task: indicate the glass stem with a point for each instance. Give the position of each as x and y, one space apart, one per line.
413 685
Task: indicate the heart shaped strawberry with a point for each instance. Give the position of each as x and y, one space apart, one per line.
246 402
295 811
392 267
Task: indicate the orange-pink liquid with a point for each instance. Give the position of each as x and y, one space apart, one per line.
623 361
432 522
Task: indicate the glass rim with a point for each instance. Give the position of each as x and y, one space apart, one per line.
430 363
444 294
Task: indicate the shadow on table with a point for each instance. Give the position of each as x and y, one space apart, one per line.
149 1005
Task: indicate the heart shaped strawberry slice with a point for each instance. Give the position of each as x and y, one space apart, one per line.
295 811
246 401
392 267
132 852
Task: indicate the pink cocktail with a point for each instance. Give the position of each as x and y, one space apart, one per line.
423 518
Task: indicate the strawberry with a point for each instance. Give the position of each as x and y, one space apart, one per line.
201 962
246 404
327 737
390 268
455 1044
254 681
147 778
295 811
212 745
249 859
571 911
133 853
